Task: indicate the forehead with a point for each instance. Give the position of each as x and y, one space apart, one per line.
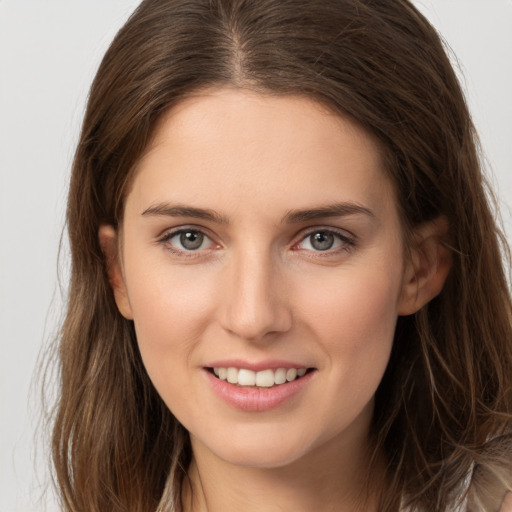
241 148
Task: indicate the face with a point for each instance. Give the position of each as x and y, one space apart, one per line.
261 260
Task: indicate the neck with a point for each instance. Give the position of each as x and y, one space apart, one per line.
324 480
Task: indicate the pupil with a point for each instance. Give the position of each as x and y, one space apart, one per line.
191 240
322 241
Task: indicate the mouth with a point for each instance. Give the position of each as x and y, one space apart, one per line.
269 378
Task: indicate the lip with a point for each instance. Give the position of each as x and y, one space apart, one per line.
251 399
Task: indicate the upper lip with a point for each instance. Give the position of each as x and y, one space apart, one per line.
271 364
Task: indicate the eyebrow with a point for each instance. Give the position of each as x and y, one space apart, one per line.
291 217
167 210
332 210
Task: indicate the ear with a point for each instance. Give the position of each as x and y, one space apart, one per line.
109 243
427 268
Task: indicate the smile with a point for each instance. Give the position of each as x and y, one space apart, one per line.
262 379
260 389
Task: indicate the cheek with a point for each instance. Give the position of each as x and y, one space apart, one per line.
354 306
354 320
171 310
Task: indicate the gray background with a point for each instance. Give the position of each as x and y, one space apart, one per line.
49 50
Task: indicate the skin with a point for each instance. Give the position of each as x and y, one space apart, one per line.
258 289
507 503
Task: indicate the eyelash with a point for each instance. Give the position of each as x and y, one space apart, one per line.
346 241
187 253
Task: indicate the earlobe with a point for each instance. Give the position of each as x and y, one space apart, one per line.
428 267
109 245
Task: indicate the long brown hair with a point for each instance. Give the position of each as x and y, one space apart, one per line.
448 386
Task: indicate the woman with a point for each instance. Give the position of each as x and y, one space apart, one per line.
287 289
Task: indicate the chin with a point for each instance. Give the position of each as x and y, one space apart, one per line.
256 451
267 458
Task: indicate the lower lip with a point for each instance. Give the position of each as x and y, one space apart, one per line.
251 399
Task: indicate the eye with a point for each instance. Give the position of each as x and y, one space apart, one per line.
323 240
187 240
191 240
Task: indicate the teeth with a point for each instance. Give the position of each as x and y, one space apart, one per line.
280 376
232 375
291 374
262 379
247 378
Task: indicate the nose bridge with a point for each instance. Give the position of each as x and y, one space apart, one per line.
254 302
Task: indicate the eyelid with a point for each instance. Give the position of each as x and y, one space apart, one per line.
165 236
345 236
347 239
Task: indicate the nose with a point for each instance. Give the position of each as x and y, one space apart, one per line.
254 298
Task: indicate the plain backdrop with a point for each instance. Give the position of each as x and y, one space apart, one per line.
49 51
